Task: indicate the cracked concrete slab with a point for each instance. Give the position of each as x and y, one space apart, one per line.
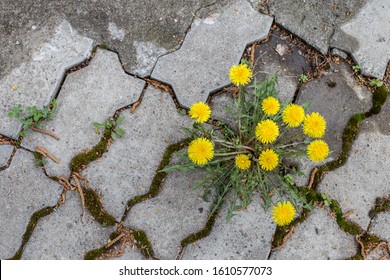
337 97
247 236
380 225
318 238
224 36
117 24
89 95
362 179
24 189
35 82
367 38
312 20
128 167
66 234
5 154
174 214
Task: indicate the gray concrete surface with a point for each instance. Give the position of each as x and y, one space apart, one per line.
5 154
367 38
24 189
318 238
89 95
46 67
131 162
247 236
224 36
380 226
66 234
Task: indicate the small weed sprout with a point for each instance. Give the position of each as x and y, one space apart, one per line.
32 116
252 158
112 125
376 83
356 68
303 78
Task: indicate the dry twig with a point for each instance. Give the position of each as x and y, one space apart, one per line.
46 153
47 132
76 180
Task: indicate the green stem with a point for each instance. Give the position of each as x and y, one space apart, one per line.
233 153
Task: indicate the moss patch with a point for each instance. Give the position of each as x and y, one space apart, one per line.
81 160
143 243
94 205
36 216
381 205
97 253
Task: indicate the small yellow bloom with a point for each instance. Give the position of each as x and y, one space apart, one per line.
270 106
200 111
268 159
293 115
200 151
267 131
314 125
317 150
240 75
243 162
283 213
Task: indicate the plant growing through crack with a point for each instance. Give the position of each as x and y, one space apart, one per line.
303 78
33 117
111 124
252 159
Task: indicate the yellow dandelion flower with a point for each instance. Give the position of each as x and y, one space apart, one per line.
240 75
270 106
243 162
283 213
314 125
293 115
317 150
267 131
200 151
268 159
200 111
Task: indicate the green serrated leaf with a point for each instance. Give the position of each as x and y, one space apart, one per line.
120 132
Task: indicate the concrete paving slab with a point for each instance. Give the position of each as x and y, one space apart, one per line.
379 122
174 214
380 225
247 236
129 166
24 189
367 38
220 105
66 234
35 82
5 154
337 97
314 21
89 95
362 179
224 36
120 24
129 254
317 238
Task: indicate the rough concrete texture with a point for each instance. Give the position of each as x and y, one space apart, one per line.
46 68
379 253
362 179
224 37
66 234
122 25
280 56
318 238
222 107
128 168
89 95
380 225
312 20
24 189
130 253
367 38
174 214
337 97
5 154
247 236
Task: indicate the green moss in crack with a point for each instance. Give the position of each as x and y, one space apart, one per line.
81 160
381 205
97 253
158 178
143 243
93 204
378 99
36 216
345 225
